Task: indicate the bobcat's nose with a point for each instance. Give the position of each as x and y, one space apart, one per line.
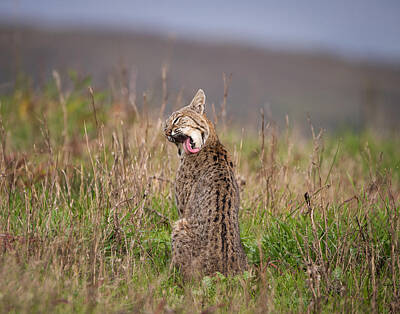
168 134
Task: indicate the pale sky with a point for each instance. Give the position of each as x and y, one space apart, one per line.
352 28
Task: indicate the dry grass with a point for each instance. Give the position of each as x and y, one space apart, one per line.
86 207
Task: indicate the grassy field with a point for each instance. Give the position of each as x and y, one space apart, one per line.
86 209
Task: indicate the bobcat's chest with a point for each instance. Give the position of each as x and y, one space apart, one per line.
186 177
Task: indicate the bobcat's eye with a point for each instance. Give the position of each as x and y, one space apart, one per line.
176 120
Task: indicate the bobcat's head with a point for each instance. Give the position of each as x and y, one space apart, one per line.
188 127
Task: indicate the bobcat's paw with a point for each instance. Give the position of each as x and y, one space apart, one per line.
181 225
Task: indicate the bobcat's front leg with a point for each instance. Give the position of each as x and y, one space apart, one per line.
184 245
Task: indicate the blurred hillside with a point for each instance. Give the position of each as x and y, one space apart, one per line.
336 92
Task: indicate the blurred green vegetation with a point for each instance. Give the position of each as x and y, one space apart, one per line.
86 212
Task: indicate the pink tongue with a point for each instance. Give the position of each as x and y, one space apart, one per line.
188 148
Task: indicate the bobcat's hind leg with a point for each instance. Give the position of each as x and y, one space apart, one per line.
184 248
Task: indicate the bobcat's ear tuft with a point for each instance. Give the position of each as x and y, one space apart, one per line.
198 102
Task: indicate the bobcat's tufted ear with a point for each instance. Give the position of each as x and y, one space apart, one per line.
198 102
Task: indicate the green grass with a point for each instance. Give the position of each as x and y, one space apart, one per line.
86 214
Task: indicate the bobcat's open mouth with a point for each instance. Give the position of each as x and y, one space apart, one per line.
187 142
189 146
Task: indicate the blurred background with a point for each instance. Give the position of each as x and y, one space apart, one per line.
338 61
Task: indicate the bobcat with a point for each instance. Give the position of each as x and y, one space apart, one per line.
206 238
